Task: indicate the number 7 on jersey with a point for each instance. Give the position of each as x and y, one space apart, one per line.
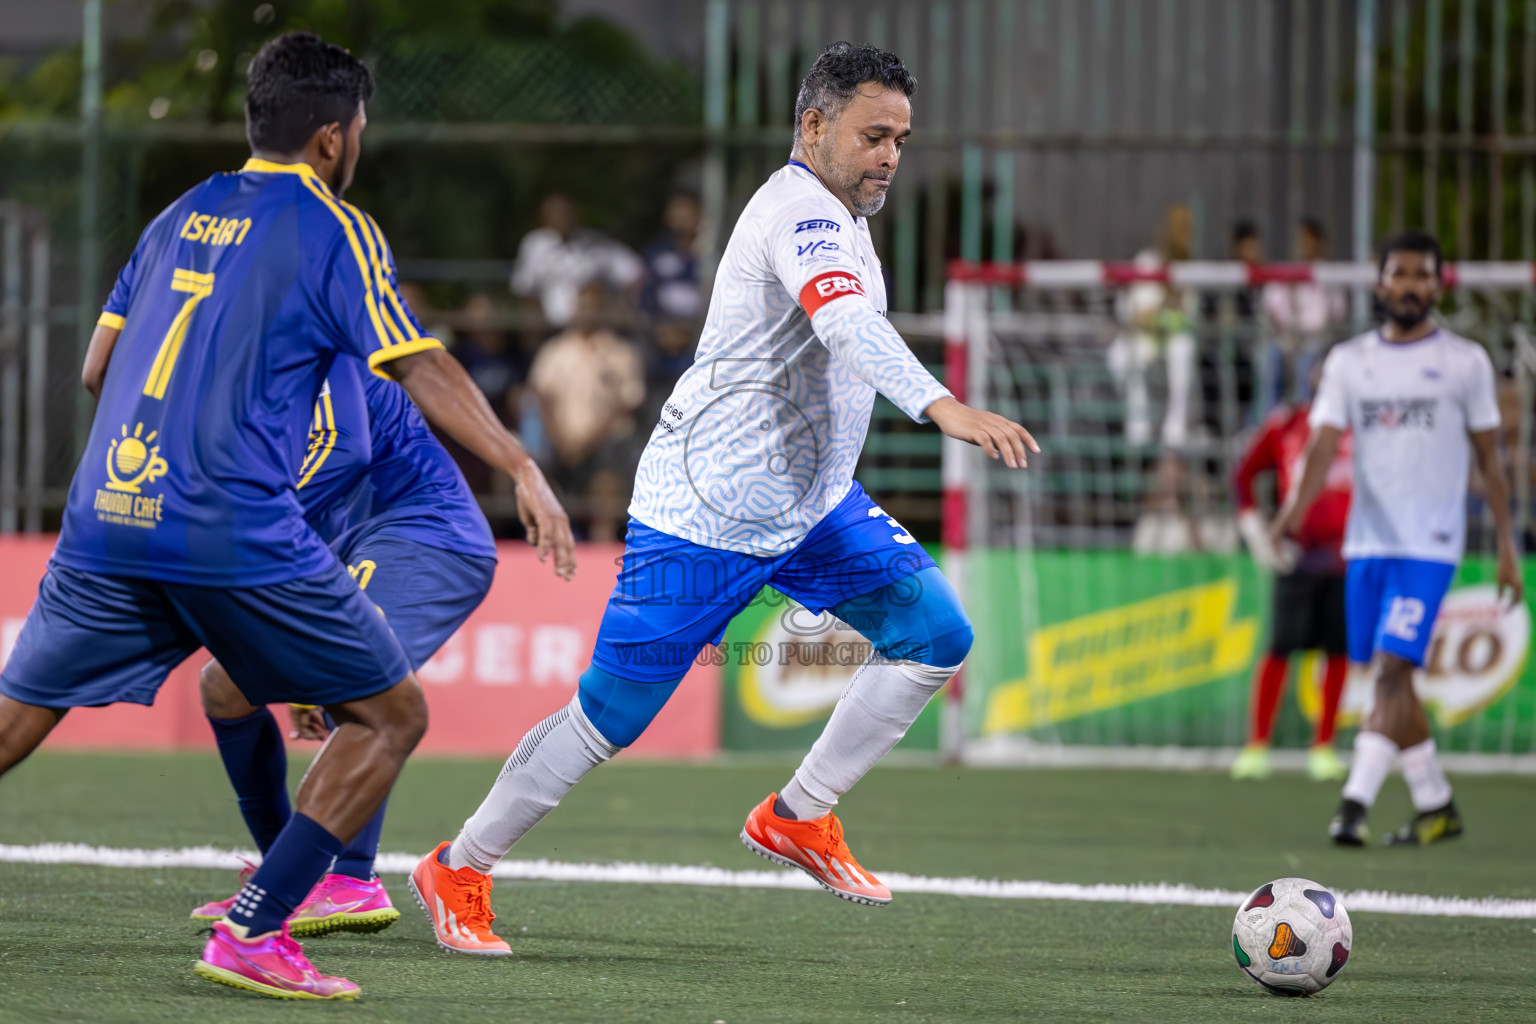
199 287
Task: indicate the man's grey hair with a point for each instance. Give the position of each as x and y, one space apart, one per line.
839 71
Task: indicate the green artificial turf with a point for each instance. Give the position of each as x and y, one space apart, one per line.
89 944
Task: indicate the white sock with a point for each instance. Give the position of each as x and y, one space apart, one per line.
1374 754
1427 784
551 759
881 702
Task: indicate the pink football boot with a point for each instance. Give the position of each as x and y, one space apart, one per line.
218 908
273 965
341 903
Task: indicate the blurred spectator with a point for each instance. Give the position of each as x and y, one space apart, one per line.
556 258
1302 319
671 289
496 365
1155 321
589 382
415 297
1219 359
672 297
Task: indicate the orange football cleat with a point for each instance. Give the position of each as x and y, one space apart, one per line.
458 903
815 847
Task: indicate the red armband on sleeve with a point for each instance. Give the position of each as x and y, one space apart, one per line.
823 288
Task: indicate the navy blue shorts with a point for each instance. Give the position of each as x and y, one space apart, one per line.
426 593
93 639
674 596
1390 605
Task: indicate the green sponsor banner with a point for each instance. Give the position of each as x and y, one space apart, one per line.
1114 648
784 670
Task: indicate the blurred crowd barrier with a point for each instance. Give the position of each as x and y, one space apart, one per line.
512 664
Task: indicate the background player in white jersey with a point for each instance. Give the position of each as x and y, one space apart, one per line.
1413 393
748 480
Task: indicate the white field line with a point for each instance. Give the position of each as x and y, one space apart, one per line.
1162 894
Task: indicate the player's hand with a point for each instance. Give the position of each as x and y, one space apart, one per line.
1280 529
998 436
308 723
1268 554
549 529
1511 586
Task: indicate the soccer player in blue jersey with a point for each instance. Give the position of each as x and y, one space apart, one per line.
396 510
183 527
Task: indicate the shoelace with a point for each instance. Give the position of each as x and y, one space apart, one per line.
290 949
477 898
833 830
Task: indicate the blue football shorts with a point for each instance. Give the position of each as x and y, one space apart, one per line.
673 596
1390 605
93 639
425 593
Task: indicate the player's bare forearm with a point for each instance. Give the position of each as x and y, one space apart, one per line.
97 356
997 435
1321 449
450 400
1486 444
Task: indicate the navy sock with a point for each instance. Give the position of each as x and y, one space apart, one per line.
300 856
356 861
257 764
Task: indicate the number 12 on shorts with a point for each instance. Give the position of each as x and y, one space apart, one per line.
1404 617
199 287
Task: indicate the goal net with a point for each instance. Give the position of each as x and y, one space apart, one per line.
1117 615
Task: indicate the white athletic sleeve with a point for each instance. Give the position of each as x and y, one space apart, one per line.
1482 393
867 344
811 252
1330 406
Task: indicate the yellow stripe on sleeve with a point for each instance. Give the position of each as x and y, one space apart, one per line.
323 194
327 440
111 320
410 348
385 286
380 281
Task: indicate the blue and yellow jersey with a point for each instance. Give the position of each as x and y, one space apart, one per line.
232 309
417 486
333 479
405 479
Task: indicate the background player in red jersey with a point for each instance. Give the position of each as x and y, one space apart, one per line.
1307 612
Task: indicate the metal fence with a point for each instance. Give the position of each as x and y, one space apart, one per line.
1043 128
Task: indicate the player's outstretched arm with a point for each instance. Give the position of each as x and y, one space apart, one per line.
1321 449
998 436
450 400
1486 444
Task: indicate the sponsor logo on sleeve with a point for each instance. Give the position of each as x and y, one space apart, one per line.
819 246
818 225
827 287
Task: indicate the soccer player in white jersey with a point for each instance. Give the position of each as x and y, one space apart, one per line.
1413 394
748 480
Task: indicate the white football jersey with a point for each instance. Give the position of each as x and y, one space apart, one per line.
760 437
1411 407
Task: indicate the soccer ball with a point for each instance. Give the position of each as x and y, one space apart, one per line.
1292 936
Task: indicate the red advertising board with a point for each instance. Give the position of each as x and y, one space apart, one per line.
514 662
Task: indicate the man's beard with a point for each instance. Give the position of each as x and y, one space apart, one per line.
1406 317
868 206
339 186
852 184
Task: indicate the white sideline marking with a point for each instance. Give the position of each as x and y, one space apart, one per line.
680 874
